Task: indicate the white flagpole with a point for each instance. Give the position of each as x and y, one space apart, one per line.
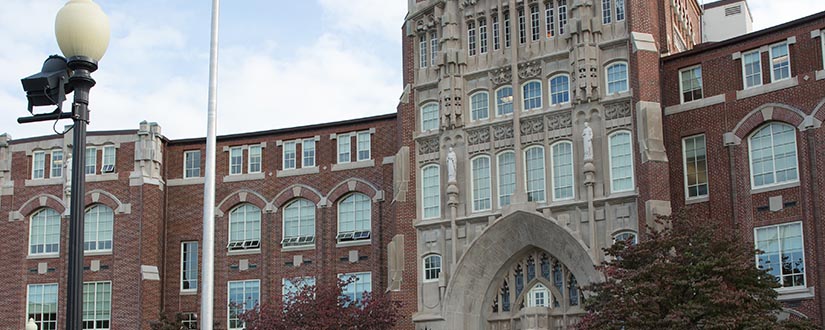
207 276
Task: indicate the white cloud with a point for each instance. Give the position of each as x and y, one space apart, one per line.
767 13
382 17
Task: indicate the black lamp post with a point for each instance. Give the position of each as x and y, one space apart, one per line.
82 31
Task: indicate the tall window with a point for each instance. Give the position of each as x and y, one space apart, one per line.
189 266
308 147
189 320
504 100
780 62
235 160
57 163
354 217
38 165
299 223
696 167
243 296
532 95
690 83
97 229
562 158
471 37
619 10
108 160
289 155
44 234
91 161
562 15
482 35
496 37
363 146
507 33
621 162
290 288
481 183
192 164
97 305
617 78
559 89
355 290
344 148
522 26
534 160
506 177
432 267
41 305
429 117
773 155
606 12
550 20
783 255
480 105
535 29
433 46
254 163
431 191
245 227
752 69
422 51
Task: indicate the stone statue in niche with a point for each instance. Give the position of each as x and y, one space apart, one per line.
587 140
451 165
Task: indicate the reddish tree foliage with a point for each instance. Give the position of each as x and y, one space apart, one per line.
324 307
693 274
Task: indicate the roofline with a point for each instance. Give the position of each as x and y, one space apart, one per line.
724 43
392 115
56 136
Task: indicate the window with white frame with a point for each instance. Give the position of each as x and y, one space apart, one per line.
299 223
432 267
562 162
44 232
189 320
625 236
97 229
480 106
471 37
534 162
308 148
752 69
431 191
364 148
506 177
41 305
362 283
254 162
57 164
354 218
522 26
780 62
607 16
496 37
91 161
619 10
482 35
538 296
429 117
617 78
550 20
690 83
532 95
559 89
235 160
535 29
481 183
189 266
507 33
696 167
192 164
97 305
289 155
433 46
783 253
291 288
38 165
244 228
108 165
243 296
773 155
344 148
504 101
422 51
562 15
621 162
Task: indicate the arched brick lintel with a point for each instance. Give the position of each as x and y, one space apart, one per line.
766 113
298 190
241 196
352 185
41 201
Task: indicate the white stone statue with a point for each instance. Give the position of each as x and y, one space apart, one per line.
67 171
587 140
451 163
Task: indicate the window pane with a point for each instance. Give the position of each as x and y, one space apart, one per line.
782 253
504 101
44 234
289 155
617 78
235 160
308 147
429 117
563 170
506 177
91 161
38 165
621 163
481 183
364 146
752 63
696 179
354 213
192 160
479 106
691 80
98 224
57 164
42 305
559 90
255 159
245 224
780 62
189 266
532 95
534 158
431 191
773 155
299 219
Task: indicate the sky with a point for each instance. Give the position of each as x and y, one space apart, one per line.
281 63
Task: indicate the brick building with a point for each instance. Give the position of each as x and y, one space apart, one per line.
530 135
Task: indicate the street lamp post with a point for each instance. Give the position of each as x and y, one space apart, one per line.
82 31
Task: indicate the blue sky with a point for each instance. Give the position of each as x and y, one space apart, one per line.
282 63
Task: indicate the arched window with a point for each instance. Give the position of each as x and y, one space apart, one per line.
504 100
531 95
431 191
573 288
506 176
480 106
432 267
44 232
559 89
481 183
617 78
562 162
538 296
245 228
299 223
534 162
354 218
97 228
429 117
625 236
621 162
773 155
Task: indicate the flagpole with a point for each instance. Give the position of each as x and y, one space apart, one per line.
207 276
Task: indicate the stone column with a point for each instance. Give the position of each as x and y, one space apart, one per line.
589 182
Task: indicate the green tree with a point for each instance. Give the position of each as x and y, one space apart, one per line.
692 274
